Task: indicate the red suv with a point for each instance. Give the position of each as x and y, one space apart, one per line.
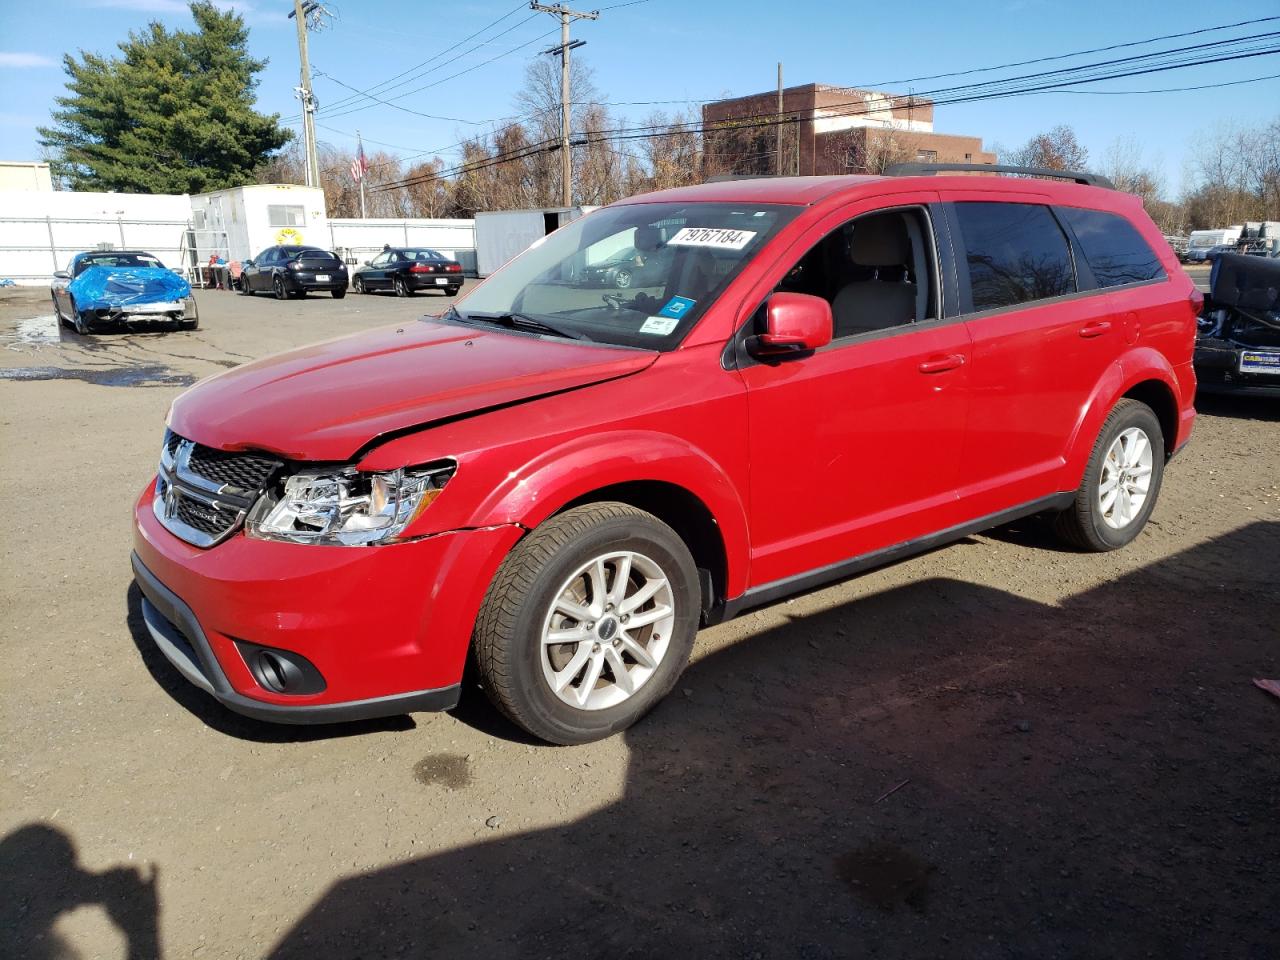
563 482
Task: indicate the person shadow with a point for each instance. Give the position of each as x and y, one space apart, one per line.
939 769
42 880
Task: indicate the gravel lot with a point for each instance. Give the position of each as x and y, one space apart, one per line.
998 749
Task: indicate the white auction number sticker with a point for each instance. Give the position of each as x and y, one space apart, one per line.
720 238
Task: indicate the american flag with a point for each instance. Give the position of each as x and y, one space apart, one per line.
359 166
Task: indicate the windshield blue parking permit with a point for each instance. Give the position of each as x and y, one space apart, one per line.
677 307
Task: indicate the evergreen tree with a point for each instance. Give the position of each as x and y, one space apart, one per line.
174 114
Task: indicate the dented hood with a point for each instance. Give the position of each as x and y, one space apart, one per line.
327 401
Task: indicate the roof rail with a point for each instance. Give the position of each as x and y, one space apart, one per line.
930 169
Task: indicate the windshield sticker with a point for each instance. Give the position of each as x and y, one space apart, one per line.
720 238
660 326
677 307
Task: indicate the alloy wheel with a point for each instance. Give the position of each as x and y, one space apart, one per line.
1125 479
607 630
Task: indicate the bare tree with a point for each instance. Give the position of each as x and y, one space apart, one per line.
869 149
1056 149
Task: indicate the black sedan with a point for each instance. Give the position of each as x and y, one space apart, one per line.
292 271
406 270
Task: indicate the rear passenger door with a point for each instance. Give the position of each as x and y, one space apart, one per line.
1040 346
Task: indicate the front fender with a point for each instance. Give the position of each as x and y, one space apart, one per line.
579 467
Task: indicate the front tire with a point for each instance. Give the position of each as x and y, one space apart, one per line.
1121 482
588 623
622 279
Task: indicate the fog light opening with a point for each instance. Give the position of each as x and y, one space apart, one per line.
274 673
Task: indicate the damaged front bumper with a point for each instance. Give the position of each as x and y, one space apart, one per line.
182 311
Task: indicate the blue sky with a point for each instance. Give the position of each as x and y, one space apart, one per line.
671 50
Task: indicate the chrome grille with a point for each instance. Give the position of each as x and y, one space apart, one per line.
203 494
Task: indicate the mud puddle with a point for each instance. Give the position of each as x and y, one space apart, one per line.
447 769
37 331
145 376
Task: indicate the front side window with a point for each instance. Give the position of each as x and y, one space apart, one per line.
285 215
1016 253
1113 248
876 271
633 275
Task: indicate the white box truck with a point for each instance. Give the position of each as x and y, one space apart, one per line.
503 234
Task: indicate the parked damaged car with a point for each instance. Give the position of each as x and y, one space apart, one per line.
112 288
1238 341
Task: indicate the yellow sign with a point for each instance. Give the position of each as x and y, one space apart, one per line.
288 235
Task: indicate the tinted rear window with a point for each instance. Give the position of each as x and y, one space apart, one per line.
1016 254
1113 248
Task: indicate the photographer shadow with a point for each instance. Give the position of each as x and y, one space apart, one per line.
939 769
42 881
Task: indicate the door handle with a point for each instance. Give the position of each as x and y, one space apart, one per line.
942 364
1095 329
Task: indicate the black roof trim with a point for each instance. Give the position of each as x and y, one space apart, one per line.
932 169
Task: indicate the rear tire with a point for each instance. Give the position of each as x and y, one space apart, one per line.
402 288
277 285
339 294
644 572
1121 482
451 291
358 285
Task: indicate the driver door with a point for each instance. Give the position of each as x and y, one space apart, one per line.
854 448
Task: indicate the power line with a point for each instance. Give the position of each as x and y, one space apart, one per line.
383 84
436 83
766 120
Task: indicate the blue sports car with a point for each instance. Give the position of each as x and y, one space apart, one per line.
104 288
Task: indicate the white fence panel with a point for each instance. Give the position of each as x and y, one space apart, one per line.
361 240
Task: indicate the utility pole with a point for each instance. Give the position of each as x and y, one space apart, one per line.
301 10
566 154
360 160
777 166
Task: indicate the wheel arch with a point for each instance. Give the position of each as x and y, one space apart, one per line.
656 472
1145 376
684 513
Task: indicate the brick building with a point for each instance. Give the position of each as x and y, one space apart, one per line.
835 130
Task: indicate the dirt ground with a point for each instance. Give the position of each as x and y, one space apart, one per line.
998 749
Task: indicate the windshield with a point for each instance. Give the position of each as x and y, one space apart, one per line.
118 260
635 275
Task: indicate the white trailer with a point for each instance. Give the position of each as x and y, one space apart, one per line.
504 234
240 222
1204 239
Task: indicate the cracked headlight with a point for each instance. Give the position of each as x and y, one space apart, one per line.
342 506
